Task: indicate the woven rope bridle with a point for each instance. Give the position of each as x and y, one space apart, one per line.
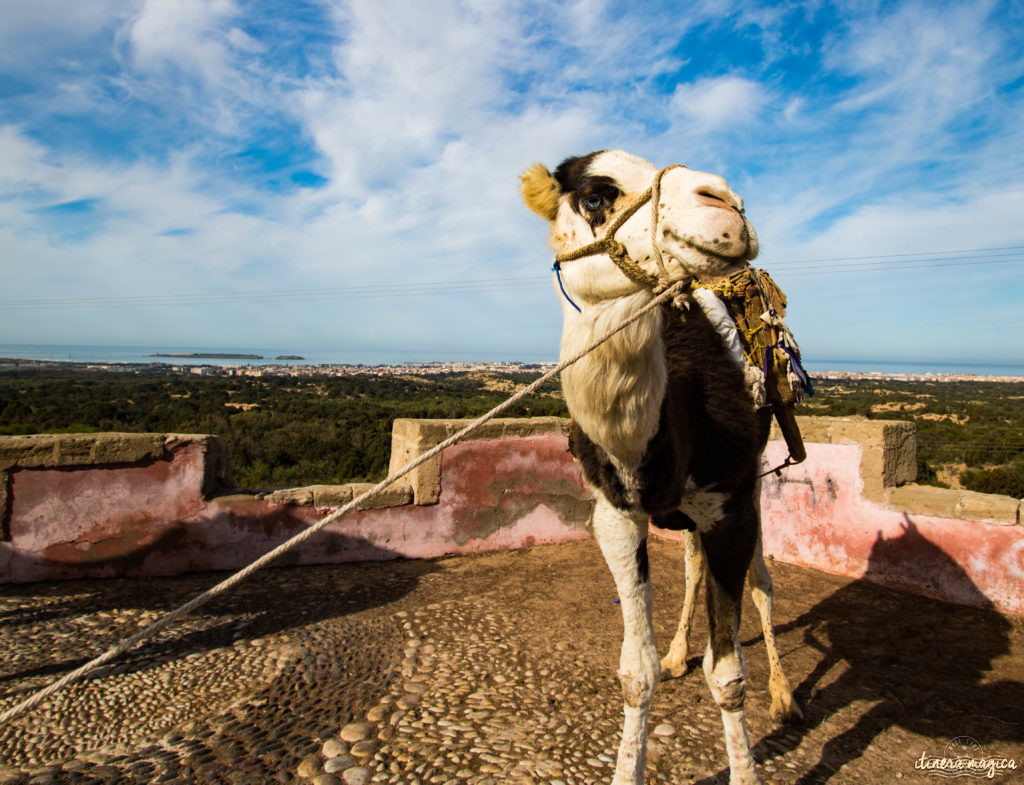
617 252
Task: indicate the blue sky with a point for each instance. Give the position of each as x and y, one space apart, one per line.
317 174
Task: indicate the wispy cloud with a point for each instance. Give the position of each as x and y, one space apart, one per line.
191 36
233 145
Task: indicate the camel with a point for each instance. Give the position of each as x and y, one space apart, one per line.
665 420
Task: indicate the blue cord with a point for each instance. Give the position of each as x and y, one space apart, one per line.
557 269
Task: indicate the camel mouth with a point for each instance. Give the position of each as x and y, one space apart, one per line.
720 250
719 254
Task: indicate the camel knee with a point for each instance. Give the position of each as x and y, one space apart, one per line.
636 692
727 681
638 684
731 695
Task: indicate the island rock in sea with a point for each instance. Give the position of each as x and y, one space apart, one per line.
208 356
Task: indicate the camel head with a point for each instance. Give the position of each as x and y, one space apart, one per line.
696 228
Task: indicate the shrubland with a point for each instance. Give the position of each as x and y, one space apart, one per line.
280 431
287 431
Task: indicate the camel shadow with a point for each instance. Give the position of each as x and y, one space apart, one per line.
923 665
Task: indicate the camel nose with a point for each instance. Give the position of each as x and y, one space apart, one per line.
714 191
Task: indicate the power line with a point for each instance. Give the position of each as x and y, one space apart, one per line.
906 264
283 292
336 293
915 253
791 268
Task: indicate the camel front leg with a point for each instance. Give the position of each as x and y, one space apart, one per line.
728 547
673 664
726 676
623 542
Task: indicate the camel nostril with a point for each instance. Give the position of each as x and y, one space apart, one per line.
712 199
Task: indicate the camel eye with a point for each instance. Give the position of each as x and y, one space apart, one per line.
593 202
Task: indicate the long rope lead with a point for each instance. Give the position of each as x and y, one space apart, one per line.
301 537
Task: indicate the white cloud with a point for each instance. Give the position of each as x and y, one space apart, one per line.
919 299
192 61
20 161
978 218
412 78
187 34
921 66
720 102
38 34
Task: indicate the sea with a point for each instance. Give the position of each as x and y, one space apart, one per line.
335 356
150 354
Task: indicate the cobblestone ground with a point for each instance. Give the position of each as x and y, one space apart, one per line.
496 668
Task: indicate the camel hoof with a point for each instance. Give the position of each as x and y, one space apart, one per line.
785 709
672 669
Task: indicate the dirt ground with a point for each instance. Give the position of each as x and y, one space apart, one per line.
883 677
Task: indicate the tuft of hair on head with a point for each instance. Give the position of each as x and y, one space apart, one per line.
540 191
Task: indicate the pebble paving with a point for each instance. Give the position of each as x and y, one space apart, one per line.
403 672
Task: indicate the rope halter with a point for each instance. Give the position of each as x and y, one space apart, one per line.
781 338
617 252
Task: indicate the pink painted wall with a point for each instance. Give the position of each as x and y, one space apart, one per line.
67 522
815 516
151 519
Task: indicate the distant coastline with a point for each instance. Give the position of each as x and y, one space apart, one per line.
210 356
277 359
239 367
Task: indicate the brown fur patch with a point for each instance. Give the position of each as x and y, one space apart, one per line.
571 172
540 191
574 179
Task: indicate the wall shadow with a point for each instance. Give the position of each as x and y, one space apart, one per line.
88 616
924 664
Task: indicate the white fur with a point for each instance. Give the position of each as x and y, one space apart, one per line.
696 235
704 508
742 770
721 672
619 537
704 236
615 392
632 173
595 280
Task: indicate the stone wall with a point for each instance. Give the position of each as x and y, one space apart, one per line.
103 505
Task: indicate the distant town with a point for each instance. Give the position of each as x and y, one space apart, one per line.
428 369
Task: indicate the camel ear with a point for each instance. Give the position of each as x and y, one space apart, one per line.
540 191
